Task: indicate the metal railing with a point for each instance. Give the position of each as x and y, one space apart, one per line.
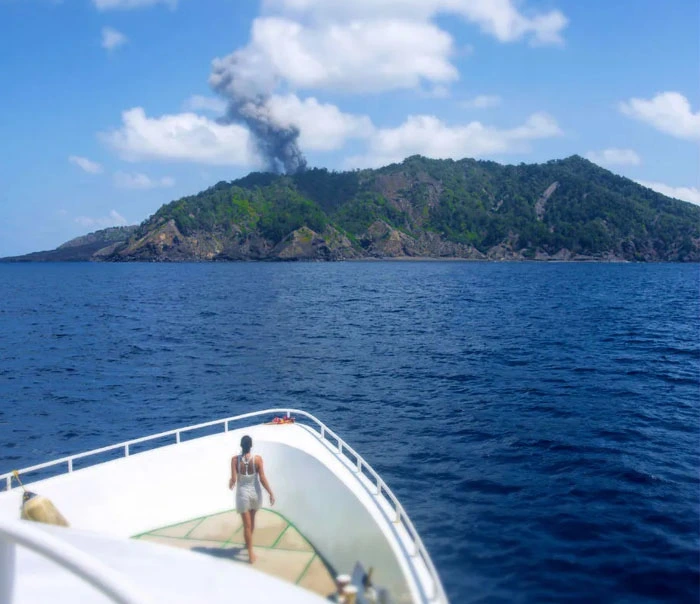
358 464
383 491
110 583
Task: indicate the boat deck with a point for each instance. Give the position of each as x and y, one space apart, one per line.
281 549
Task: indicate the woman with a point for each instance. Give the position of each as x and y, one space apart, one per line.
247 470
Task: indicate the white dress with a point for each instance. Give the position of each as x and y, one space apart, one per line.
248 489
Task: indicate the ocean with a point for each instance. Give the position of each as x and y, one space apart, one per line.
539 422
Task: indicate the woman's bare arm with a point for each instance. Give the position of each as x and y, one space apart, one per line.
263 480
234 472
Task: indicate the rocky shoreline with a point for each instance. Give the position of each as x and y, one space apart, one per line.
381 242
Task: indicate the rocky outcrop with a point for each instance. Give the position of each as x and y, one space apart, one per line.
540 204
410 194
244 246
381 240
384 241
305 244
166 243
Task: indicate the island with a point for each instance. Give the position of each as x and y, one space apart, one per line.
563 210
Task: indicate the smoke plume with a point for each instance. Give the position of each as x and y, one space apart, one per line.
248 96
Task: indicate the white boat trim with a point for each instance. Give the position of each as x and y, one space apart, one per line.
381 495
107 581
152 572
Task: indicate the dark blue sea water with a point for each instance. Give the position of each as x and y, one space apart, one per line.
539 422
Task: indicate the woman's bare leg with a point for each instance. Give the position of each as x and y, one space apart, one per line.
248 535
252 521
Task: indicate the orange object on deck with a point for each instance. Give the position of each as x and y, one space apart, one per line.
282 420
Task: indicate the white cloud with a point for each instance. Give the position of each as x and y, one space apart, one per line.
363 46
111 38
482 101
84 163
691 194
358 47
499 18
190 137
211 104
439 91
614 157
357 56
129 4
367 46
668 112
323 126
124 180
180 137
114 219
427 135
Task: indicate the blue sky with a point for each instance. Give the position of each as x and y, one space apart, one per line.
108 109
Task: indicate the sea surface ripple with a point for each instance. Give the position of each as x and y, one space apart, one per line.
539 422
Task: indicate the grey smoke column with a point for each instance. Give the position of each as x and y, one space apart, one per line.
276 143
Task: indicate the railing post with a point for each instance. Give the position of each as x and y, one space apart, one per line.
226 426
7 570
70 464
126 450
177 437
9 482
340 446
359 465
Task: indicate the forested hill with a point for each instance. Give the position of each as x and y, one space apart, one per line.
568 209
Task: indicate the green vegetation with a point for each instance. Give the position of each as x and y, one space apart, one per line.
272 205
368 207
591 211
285 210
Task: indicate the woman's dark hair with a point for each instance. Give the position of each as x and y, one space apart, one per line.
246 444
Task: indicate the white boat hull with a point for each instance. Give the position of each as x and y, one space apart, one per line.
335 505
